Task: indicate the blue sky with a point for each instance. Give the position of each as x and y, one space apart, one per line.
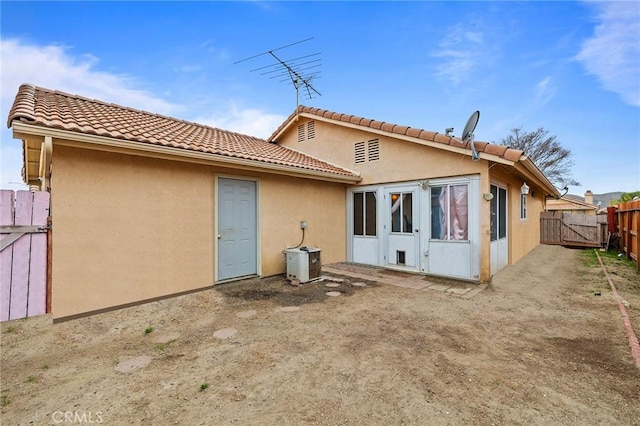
570 67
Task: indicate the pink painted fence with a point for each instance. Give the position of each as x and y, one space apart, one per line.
23 255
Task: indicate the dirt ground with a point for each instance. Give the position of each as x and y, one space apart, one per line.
538 346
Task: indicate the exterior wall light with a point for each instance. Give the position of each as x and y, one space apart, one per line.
524 189
487 196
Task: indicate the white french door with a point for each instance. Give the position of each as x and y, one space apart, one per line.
402 226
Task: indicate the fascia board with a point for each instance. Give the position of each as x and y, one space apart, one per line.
80 140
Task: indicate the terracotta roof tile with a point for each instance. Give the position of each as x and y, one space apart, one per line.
498 150
376 124
58 110
387 127
400 129
439 137
512 154
495 149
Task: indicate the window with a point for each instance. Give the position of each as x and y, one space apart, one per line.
523 206
364 214
402 212
450 212
498 213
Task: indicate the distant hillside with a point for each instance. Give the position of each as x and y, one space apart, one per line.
603 199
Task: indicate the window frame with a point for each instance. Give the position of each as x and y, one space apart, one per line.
368 205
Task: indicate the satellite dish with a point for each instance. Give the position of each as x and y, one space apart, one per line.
467 134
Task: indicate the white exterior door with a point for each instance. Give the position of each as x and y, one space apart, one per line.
453 238
499 245
363 205
237 228
402 226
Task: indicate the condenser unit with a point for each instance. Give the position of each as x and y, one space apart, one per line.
303 264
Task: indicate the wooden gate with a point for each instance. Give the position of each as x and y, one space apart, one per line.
569 229
23 254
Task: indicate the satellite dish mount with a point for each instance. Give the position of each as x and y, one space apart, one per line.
467 134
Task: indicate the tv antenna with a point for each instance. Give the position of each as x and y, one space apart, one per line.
467 134
300 71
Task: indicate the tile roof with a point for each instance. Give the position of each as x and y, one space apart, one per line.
53 109
494 149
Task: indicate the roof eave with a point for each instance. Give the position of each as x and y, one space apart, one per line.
531 168
425 142
68 138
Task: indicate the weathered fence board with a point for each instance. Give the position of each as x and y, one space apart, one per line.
6 219
24 261
569 229
628 224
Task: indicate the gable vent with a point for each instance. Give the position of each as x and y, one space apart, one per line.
301 133
359 149
373 149
311 129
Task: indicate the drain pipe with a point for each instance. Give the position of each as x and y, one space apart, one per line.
633 340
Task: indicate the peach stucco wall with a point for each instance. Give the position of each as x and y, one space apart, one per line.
399 160
402 160
287 201
127 228
130 228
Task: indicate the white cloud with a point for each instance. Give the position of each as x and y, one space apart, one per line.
54 67
254 122
544 91
613 52
460 51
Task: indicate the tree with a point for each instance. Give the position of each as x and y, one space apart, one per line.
546 152
626 196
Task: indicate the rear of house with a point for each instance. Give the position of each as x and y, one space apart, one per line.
423 204
145 206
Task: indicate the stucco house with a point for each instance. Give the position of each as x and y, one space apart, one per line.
145 206
574 204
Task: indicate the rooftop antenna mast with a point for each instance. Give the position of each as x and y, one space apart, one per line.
300 71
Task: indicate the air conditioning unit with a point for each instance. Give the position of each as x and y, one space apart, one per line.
303 264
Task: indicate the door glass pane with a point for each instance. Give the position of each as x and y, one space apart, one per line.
494 213
459 212
502 213
358 211
407 213
438 207
371 212
396 218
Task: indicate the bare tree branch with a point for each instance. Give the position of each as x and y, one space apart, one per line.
546 152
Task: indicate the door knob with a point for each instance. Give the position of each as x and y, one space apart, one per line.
219 236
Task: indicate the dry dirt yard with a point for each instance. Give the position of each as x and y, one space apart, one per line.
536 347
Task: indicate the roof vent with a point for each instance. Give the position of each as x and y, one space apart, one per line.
373 149
359 151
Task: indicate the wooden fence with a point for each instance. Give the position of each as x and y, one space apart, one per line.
568 229
24 254
627 217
